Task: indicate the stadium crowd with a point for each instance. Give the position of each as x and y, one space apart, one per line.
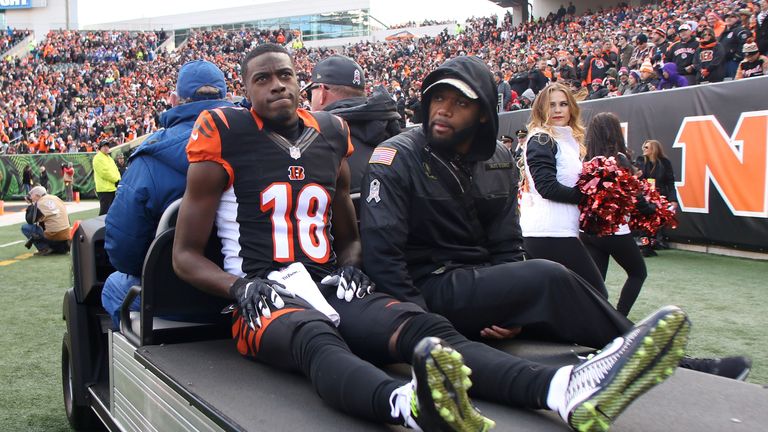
77 88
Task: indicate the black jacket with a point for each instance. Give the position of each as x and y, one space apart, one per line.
425 211
662 174
761 34
370 121
732 40
519 82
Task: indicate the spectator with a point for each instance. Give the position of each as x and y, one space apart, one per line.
68 177
47 224
682 53
623 81
27 180
660 46
565 70
732 42
597 91
754 64
655 167
715 23
761 32
106 177
670 78
43 177
337 86
709 60
526 99
504 90
120 162
648 81
641 53
536 77
519 81
625 50
632 83
156 178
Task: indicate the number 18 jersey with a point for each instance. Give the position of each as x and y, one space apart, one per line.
276 208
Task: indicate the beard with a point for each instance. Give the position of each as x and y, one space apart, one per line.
450 143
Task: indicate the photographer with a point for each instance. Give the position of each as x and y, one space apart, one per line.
47 224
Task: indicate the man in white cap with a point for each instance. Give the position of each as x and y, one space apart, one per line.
47 224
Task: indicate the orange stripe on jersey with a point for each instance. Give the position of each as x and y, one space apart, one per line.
221 116
257 119
308 119
205 144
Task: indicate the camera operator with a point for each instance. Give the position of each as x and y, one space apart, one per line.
47 224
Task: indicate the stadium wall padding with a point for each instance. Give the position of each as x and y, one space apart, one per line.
720 133
11 167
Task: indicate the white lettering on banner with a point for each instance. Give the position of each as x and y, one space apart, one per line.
4 3
736 165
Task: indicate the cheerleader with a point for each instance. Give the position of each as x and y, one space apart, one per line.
549 211
605 138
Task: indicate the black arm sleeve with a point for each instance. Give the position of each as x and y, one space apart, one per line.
505 238
540 158
384 229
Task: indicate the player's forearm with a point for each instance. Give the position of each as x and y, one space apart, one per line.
202 273
350 254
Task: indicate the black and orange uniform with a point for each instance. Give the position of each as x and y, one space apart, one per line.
276 210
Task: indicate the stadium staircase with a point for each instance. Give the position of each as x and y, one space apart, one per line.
21 48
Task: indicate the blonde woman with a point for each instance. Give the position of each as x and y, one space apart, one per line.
549 211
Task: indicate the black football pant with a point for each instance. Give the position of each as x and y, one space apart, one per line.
627 254
543 297
300 338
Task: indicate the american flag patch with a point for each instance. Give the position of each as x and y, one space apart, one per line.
383 155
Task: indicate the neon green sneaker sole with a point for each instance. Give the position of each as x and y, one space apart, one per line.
443 401
657 352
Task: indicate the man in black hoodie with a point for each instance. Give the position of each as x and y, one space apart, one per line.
440 227
338 86
497 376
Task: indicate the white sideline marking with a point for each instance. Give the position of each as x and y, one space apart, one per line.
11 243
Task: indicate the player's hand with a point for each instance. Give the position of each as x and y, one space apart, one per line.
350 282
496 332
254 298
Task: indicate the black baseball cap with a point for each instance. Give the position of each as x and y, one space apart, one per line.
337 70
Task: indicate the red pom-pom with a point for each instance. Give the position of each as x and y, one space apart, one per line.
609 196
664 216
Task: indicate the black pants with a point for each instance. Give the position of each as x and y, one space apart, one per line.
336 359
570 252
105 201
547 300
627 254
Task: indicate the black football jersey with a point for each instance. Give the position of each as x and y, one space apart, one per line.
276 209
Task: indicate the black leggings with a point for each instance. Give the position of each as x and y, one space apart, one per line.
570 252
627 254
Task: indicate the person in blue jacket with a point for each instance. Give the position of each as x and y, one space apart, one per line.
156 177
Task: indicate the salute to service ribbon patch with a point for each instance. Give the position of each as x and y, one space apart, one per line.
383 155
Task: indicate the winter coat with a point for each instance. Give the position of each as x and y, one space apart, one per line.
430 208
370 121
156 177
105 173
710 63
674 80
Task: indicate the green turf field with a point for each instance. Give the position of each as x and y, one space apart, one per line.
724 296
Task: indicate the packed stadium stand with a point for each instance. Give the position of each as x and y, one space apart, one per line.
74 89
